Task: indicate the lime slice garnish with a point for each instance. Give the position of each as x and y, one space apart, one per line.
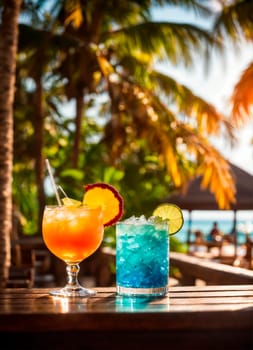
172 213
70 202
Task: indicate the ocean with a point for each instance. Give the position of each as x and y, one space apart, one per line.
203 221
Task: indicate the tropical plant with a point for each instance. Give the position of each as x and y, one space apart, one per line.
118 47
150 134
93 51
42 99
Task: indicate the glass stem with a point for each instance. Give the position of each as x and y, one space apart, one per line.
72 274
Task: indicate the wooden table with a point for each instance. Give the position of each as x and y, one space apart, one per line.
198 317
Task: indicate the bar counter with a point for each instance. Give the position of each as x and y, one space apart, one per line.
197 317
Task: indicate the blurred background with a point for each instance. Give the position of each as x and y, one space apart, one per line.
145 95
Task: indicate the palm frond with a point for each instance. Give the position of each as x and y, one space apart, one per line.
142 115
105 66
220 181
74 10
207 119
236 19
217 175
215 170
167 40
29 37
203 114
242 97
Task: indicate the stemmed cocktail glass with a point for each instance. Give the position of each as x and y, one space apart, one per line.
72 233
73 230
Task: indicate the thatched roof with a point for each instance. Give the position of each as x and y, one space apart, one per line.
196 198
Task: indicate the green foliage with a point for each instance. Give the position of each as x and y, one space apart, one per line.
139 129
177 246
24 197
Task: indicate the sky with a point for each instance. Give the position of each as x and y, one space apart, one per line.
216 86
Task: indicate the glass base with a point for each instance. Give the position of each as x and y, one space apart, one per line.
149 292
73 292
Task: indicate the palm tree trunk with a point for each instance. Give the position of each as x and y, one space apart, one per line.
78 130
8 50
39 159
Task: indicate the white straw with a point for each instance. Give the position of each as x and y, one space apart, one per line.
62 190
53 182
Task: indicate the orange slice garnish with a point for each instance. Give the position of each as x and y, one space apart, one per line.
106 196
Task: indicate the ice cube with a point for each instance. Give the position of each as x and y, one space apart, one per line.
135 220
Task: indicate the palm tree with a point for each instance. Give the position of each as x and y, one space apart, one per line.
36 62
235 22
37 65
104 49
8 49
117 51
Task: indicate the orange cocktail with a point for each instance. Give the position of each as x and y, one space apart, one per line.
72 233
74 230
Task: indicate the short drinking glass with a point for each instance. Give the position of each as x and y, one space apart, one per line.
142 257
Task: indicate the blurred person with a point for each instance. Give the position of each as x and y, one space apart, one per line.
215 233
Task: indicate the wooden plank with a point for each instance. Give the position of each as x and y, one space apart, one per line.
211 272
177 318
209 317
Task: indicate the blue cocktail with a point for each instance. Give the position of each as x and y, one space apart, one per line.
142 257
